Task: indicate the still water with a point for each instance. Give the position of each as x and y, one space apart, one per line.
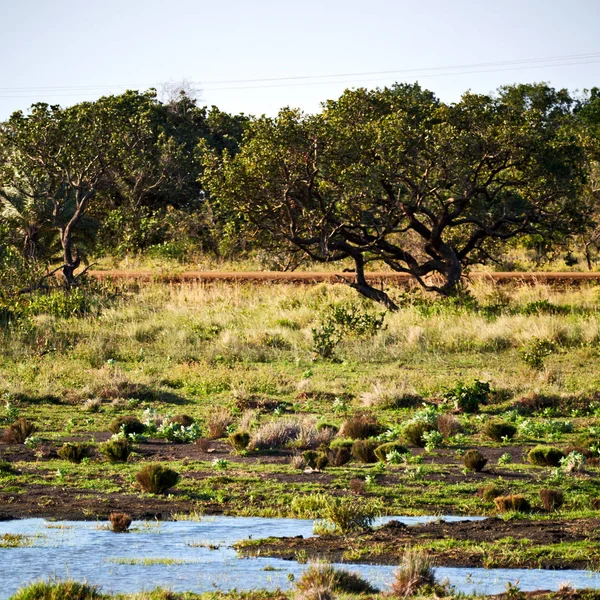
197 556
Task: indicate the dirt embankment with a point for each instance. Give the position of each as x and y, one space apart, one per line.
304 277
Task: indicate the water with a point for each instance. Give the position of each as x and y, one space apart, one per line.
197 556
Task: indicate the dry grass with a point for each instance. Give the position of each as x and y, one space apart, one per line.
119 522
218 422
414 573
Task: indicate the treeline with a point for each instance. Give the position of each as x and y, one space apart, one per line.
391 175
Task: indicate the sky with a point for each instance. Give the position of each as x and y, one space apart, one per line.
258 56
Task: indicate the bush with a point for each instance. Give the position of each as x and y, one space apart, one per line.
448 425
6 468
381 452
59 590
551 499
322 461
364 451
414 430
74 452
119 522
19 431
157 479
325 576
414 573
344 515
512 503
545 456
239 440
127 424
499 430
474 460
339 456
218 422
183 420
467 398
117 450
490 492
360 427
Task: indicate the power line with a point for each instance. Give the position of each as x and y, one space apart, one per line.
295 81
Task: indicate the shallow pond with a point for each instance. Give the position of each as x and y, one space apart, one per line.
197 556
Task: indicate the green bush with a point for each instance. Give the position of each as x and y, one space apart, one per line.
381 452
322 461
490 492
344 515
413 432
545 456
59 590
364 451
117 450
239 440
157 479
474 460
468 397
499 430
128 424
74 452
320 578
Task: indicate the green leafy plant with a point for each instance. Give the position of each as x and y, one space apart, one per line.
468 397
383 452
157 479
536 351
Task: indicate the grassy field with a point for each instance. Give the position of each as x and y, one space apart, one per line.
306 368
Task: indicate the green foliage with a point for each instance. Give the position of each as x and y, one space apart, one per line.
468 397
474 460
59 590
383 451
345 515
176 432
414 431
545 456
490 492
117 449
536 351
499 431
239 440
75 303
157 479
127 424
364 451
320 577
74 452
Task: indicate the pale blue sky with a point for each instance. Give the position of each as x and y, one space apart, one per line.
86 48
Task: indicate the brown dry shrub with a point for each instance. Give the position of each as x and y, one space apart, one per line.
360 427
119 522
551 499
513 502
357 486
449 425
203 444
218 422
19 431
414 573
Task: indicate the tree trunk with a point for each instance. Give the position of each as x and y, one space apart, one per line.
364 288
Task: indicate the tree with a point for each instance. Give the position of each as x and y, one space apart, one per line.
397 176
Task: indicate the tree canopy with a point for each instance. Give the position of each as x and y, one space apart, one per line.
397 176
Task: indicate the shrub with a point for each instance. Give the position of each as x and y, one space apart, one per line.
276 434
344 515
59 590
448 425
117 450
499 430
545 456
310 458
325 576
381 452
467 398
324 425
414 573
183 420
178 433
74 452
489 492
322 461
6 468
360 427
551 499
157 479
474 460
19 431
364 451
119 522
414 430
218 422
203 444
239 440
357 486
536 351
339 456
128 424
513 502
